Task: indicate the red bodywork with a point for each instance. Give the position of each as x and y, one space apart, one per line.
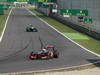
39 57
50 46
50 54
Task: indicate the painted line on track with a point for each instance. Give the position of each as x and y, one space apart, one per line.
64 35
5 25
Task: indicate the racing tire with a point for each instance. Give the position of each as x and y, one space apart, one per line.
35 30
27 30
32 53
55 54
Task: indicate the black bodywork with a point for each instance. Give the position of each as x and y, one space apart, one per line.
31 28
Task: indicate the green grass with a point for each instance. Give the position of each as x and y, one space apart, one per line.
3 20
87 41
76 36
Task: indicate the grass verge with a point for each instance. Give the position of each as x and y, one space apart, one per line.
3 20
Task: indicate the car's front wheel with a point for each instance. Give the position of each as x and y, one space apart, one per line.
27 30
32 53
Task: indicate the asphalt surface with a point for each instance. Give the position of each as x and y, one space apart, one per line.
17 45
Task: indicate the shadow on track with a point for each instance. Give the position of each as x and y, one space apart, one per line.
95 62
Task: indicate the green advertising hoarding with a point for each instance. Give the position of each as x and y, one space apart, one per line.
5 5
64 12
42 0
47 0
74 12
47 6
88 20
1 11
28 0
44 5
18 0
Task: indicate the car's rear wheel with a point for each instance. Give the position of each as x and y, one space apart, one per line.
56 54
35 30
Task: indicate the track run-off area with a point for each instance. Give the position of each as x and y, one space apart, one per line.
17 44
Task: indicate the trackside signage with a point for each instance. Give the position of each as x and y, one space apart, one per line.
28 0
74 12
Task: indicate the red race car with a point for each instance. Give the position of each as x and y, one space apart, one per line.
46 53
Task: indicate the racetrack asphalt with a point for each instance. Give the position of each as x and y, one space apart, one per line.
17 44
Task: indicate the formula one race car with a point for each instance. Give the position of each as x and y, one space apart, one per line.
46 53
31 28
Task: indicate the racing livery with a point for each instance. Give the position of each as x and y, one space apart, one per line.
46 53
31 28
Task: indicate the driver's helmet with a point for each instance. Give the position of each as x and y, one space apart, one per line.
44 50
30 24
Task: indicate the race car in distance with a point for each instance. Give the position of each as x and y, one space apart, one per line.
46 53
31 28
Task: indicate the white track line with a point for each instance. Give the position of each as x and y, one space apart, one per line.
5 26
64 35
